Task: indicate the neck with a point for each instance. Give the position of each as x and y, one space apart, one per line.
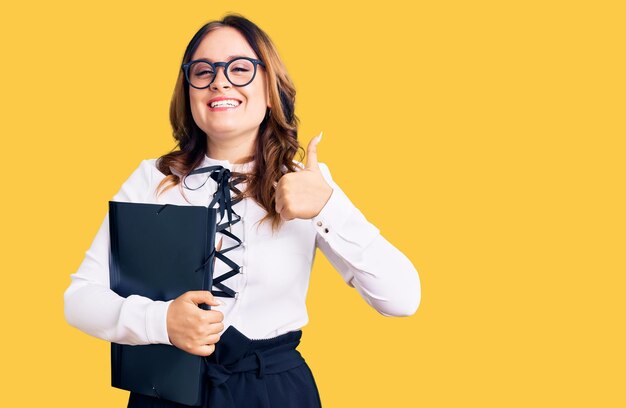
235 151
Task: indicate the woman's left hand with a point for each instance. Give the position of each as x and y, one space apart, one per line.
303 194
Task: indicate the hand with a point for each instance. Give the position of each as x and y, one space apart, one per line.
303 194
192 329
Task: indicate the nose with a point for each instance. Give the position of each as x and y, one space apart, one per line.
220 80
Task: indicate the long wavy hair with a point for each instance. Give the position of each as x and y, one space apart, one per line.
277 139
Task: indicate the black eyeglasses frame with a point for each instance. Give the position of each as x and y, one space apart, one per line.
214 65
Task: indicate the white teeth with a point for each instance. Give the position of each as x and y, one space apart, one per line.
225 102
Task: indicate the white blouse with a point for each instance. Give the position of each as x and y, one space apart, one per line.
273 282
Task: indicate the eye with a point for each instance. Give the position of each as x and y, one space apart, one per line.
204 72
240 69
199 69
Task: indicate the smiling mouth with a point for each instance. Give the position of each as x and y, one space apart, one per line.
222 108
225 103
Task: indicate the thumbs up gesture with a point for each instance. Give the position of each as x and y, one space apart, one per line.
303 194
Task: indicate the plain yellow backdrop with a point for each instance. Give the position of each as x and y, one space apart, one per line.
485 139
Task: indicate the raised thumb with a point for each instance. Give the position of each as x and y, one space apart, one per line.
311 160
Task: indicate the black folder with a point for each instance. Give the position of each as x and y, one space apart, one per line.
161 252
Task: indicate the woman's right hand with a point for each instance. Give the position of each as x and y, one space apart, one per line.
192 329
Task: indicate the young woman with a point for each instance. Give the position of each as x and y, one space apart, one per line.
233 106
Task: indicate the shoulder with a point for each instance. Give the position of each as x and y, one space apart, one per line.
146 170
137 186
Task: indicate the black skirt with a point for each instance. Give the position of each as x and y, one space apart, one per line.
249 373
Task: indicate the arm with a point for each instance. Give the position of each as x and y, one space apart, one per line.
384 277
89 303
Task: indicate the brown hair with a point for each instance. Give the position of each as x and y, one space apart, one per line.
277 140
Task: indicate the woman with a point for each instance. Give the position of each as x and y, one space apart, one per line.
233 106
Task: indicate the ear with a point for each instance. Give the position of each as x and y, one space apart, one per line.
268 100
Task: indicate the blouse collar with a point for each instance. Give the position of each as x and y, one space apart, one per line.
238 167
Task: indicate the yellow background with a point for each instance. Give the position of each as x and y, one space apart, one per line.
485 139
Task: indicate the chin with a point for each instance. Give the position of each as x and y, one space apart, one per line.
227 131
223 126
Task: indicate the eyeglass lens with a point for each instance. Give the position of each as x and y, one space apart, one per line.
240 72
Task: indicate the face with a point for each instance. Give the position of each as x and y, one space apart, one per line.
233 123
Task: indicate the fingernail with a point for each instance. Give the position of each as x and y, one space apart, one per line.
320 136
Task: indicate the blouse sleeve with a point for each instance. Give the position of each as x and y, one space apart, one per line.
383 276
89 303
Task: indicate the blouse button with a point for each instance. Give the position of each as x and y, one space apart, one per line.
325 229
319 223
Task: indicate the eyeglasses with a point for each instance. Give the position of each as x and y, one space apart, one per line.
240 72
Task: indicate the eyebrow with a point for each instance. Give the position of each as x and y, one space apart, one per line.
230 57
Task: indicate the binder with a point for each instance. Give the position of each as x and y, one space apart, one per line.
162 251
